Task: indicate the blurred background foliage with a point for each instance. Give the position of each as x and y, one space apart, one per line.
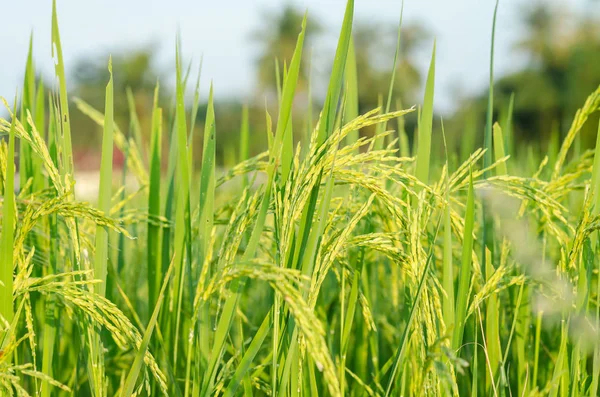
562 51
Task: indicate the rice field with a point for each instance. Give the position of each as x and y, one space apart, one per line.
336 264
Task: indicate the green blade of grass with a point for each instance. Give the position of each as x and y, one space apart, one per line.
351 92
487 226
245 140
507 127
326 123
138 361
346 324
39 118
193 116
403 142
536 352
309 111
291 361
64 119
226 320
170 202
121 269
487 158
51 310
105 195
336 80
394 65
379 143
399 355
309 252
523 332
26 159
182 214
470 132
553 144
246 361
287 150
475 371
207 179
595 187
96 369
278 80
197 264
447 265
269 129
501 168
593 391
561 362
135 125
8 230
206 220
514 324
63 131
492 331
595 182
425 125
153 239
465 269
381 127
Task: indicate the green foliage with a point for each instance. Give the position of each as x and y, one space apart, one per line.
277 37
7 237
339 266
558 44
426 125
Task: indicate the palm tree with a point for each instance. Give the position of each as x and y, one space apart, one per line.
135 70
277 38
563 49
375 46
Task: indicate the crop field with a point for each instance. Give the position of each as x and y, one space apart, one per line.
333 263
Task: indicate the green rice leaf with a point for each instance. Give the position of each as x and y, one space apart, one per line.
425 125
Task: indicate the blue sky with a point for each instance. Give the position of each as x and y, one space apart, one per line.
219 30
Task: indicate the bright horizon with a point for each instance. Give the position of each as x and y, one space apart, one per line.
219 32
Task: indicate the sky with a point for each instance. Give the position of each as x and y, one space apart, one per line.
219 30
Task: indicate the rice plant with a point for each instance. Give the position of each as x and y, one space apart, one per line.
340 264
